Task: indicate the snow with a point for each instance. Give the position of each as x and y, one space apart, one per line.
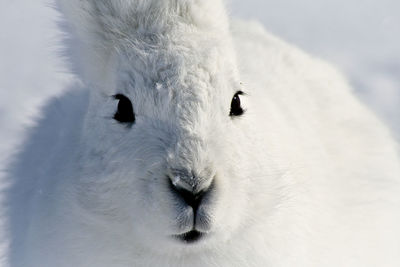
361 37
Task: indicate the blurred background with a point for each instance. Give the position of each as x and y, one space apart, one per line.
360 37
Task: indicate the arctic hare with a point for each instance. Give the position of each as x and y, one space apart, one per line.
201 142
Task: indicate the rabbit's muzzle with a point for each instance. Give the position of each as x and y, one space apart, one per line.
194 198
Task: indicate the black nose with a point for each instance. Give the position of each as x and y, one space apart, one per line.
190 197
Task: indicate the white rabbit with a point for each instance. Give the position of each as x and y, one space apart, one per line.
201 142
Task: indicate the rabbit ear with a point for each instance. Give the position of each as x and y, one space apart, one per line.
95 22
107 21
95 27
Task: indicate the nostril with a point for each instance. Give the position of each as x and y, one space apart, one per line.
191 198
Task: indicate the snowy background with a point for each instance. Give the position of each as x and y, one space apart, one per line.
361 37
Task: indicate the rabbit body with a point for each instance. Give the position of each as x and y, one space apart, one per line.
307 176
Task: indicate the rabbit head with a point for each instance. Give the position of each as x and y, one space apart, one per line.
167 152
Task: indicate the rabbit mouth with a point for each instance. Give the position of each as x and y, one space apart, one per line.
190 237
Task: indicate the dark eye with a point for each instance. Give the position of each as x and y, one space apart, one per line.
236 108
124 112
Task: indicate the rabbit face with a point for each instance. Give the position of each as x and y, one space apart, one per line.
169 155
167 147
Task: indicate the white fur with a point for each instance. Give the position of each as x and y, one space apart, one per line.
306 177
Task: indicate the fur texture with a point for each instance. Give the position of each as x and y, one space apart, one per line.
306 177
